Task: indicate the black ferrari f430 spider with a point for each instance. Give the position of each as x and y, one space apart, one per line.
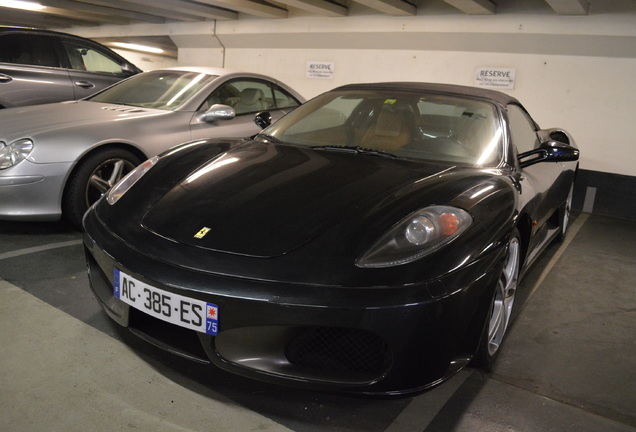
370 241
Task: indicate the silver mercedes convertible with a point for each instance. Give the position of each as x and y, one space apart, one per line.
58 159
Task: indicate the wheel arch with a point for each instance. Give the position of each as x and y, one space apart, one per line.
66 190
131 148
471 338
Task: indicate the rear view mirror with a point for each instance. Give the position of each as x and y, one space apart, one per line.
218 112
263 119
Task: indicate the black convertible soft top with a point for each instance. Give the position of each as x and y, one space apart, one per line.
493 95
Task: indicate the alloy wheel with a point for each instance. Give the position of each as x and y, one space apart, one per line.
504 297
105 176
566 211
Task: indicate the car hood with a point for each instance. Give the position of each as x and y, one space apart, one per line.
39 119
265 200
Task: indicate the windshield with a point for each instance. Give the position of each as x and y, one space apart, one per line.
166 90
423 126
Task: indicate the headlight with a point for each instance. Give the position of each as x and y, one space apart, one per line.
14 153
127 182
417 235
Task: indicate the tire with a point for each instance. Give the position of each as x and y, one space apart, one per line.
500 307
565 212
92 178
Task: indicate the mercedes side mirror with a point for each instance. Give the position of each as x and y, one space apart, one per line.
218 112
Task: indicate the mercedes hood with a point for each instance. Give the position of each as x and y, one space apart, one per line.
31 121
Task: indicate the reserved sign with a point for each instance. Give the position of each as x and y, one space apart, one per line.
496 78
320 70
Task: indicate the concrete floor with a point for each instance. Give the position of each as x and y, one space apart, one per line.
569 363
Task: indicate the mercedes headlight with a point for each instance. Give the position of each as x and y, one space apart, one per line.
117 191
417 235
14 153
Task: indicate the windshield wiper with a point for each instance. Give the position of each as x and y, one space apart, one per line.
123 104
356 150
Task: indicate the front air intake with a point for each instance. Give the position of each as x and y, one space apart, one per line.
336 349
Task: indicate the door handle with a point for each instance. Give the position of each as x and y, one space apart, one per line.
5 78
84 84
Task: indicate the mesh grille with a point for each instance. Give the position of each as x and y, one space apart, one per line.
338 350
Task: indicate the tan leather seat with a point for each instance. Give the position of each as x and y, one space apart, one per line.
389 133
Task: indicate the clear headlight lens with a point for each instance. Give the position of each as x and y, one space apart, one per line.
417 235
14 153
117 191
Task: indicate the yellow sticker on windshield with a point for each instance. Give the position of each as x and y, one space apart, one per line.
202 232
390 101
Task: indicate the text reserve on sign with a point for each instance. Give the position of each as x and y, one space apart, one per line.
495 73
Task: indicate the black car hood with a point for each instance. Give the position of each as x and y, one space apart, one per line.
264 200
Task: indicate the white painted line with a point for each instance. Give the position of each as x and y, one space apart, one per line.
590 196
27 251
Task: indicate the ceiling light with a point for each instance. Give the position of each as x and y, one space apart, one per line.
18 4
137 47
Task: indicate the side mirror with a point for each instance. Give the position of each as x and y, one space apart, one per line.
555 134
263 119
218 112
550 151
128 69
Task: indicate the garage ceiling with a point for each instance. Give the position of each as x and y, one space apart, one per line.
68 13
91 15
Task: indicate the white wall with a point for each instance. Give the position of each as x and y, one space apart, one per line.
575 72
594 98
578 73
146 61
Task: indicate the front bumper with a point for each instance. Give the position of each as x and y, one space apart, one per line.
369 340
33 192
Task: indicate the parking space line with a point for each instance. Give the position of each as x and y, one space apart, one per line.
27 251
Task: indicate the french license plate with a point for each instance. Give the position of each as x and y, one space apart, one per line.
174 308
